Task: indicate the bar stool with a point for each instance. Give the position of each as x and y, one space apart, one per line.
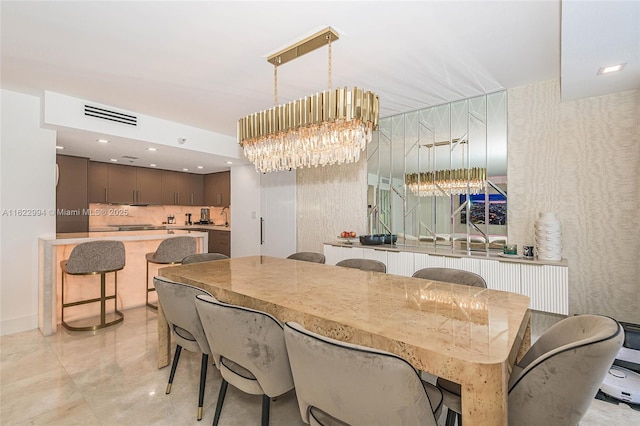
169 252
92 258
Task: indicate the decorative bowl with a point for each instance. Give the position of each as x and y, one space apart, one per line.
371 240
390 238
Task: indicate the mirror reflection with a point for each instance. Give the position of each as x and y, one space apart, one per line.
438 176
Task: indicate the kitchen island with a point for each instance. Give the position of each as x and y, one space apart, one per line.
131 280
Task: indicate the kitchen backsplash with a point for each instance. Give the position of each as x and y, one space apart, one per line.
105 215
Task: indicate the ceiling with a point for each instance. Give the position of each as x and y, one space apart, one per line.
204 64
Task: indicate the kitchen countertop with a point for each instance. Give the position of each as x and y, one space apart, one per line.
74 237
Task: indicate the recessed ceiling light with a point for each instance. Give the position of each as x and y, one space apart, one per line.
611 68
200 167
59 147
151 149
229 162
185 170
114 160
102 141
152 165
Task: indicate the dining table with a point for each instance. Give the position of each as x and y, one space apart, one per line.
468 335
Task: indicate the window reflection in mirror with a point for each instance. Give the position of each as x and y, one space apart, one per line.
429 170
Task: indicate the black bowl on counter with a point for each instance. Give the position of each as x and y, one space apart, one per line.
377 239
371 240
390 238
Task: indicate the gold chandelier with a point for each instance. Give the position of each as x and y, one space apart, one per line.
447 182
329 127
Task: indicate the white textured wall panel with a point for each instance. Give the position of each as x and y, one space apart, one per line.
581 160
330 200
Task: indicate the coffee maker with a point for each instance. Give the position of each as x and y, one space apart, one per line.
205 216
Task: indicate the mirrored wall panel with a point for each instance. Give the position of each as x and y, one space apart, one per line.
438 176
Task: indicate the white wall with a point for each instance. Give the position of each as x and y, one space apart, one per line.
278 209
27 185
245 211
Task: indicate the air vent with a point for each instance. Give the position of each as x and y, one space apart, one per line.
106 114
384 180
128 157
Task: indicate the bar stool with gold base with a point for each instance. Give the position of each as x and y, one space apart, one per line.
169 252
93 258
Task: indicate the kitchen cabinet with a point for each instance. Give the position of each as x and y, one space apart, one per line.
197 189
147 187
98 182
183 189
119 184
220 242
133 185
122 184
72 201
217 189
169 185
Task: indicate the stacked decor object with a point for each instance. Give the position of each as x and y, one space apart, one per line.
548 237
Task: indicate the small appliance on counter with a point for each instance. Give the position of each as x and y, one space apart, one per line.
205 217
188 221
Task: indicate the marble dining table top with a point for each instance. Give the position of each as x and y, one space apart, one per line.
406 316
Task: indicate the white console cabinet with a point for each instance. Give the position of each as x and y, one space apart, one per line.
547 284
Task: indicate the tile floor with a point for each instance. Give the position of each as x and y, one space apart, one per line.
110 377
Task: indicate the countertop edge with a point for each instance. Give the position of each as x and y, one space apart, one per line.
450 253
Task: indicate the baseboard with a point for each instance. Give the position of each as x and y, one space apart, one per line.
17 325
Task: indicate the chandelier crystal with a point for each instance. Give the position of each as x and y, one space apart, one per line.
447 182
330 127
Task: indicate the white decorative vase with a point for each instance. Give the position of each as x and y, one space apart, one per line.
548 237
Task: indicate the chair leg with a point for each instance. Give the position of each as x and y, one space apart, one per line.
266 404
146 285
451 417
176 357
223 392
203 378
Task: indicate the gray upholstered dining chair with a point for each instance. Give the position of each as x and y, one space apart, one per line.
92 258
363 264
558 377
203 257
169 252
253 356
456 276
339 383
307 256
451 275
178 304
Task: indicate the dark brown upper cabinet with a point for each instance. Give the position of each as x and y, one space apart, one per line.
217 189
